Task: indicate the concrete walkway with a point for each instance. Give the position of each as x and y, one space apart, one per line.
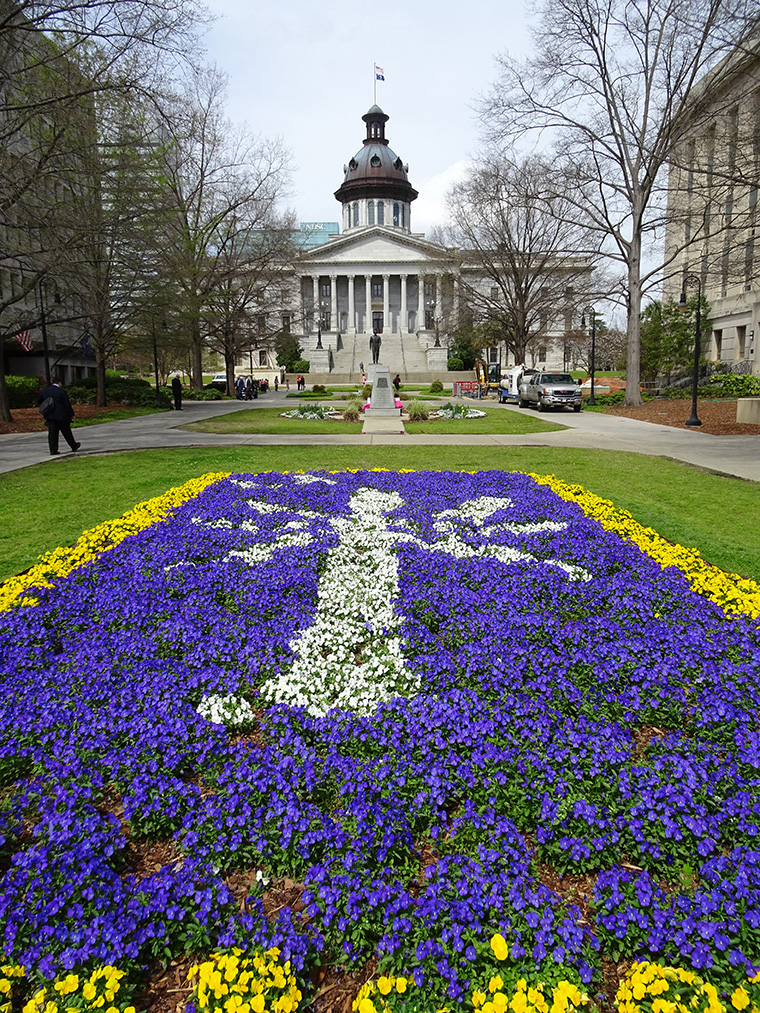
727 455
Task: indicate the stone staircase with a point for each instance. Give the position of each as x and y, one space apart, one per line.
402 354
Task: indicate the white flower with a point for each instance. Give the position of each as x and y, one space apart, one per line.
226 710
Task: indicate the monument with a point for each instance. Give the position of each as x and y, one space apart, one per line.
382 416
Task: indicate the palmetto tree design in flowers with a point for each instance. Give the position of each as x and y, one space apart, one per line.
351 655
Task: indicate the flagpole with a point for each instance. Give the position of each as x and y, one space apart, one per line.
374 84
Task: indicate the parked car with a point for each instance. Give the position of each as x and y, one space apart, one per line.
219 380
550 390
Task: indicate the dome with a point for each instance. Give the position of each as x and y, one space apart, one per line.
375 171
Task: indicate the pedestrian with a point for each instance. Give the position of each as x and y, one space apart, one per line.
287 384
397 383
239 388
249 389
177 393
276 384
58 414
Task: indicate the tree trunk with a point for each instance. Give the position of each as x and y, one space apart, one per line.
5 409
197 352
100 376
633 348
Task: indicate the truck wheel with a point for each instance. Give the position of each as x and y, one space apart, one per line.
541 406
576 408
524 403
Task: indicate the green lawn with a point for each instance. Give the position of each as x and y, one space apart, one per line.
269 420
42 507
114 415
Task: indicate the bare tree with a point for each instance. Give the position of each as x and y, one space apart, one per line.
528 260
226 228
55 58
606 84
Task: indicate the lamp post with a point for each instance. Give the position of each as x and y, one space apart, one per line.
693 281
592 316
322 307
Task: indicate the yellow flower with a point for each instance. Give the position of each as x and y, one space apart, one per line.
495 984
401 984
384 985
499 946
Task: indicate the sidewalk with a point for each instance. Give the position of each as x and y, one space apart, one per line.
728 455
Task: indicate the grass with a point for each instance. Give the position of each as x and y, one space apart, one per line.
269 420
114 415
43 507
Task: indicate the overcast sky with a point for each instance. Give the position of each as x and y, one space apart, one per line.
303 70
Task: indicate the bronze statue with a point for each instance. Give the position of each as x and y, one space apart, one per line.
374 343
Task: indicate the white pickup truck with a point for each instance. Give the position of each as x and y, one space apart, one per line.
550 390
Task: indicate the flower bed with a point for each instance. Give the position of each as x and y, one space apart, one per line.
490 743
457 411
312 413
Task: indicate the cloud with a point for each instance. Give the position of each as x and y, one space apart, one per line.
430 207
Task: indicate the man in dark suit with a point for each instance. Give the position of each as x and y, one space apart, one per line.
58 419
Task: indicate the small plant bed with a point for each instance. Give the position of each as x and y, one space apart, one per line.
311 413
457 411
484 421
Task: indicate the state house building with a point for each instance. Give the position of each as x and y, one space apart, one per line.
378 275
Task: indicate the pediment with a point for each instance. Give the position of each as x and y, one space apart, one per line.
375 247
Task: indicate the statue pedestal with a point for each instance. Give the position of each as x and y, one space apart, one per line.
319 360
382 416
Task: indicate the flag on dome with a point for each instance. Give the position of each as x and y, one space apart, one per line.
379 73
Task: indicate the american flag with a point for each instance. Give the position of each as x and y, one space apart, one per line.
379 73
25 340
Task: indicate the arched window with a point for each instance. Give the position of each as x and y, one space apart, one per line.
381 212
395 215
356 212
403 216
371 213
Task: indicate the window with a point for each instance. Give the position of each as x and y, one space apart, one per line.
262 357
395 215
377 321
324 319
356 213
429 320
718 339
325 289
494 291
493 354
430 290
381 212
741 342
749 263
371 213
261 323
403 216
286 322
542 353
377 290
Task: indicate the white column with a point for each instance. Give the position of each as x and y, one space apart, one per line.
438 306
386 303
456 300
316 310
368 300
404 321
333 303
351 305
420 302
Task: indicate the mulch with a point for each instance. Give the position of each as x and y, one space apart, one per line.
29 420
718 417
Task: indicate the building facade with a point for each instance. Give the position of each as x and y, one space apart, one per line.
379 276
711 230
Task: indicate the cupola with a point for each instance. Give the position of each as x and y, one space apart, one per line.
375 189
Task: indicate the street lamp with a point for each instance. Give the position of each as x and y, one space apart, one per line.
592 317
693 281
323 304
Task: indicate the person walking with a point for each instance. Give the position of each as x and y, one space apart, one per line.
397 383
58 415
287 384
239 388
177 393
276 385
